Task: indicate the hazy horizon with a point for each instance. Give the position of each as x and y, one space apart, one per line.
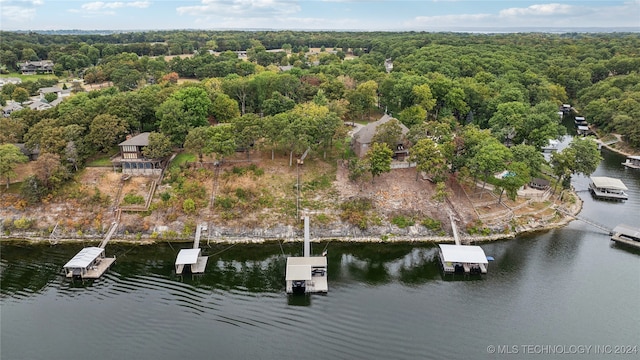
321 15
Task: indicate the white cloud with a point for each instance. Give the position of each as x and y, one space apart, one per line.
538 10
539 15
99 8
100 5
18 11
241 8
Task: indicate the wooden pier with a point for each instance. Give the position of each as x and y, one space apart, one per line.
191 259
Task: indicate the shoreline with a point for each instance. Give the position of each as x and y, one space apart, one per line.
382 238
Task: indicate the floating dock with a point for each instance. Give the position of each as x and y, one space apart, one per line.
625 234
632 162
191 259
306 274
90 262
607 188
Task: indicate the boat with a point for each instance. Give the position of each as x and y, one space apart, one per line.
608 188
632 162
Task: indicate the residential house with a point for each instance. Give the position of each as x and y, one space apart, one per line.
388 65
55 90
361 141
36 67
11 107
31 154
9 80
132 160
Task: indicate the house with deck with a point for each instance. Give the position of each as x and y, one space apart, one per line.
362 139
36 67
132 160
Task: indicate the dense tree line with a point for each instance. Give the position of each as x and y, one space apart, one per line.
473 103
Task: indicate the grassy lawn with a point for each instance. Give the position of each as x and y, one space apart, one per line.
102 160
183 158
30 77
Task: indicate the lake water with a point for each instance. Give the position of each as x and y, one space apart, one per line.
568 291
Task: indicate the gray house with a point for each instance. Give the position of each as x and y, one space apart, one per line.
361 141
132 160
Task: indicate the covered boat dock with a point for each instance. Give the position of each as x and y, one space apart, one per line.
89 263
191 259
625 234
307 274
632 162
607 188
466 259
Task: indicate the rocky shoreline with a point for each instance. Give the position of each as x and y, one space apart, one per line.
346 233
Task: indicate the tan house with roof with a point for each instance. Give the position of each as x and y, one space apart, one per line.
132 160
362 139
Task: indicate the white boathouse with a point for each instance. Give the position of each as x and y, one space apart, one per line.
89 263
608 188
466 259
632 162
191 259
625 234
306 274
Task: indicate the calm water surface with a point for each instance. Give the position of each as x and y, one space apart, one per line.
565 287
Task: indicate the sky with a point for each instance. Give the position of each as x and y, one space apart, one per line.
366 15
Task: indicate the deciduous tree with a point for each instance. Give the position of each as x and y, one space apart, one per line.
10 157
159 146
379 159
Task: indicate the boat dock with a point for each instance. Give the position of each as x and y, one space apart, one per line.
306 274
458 258
191 259
625 234
632 162
91 262
607 188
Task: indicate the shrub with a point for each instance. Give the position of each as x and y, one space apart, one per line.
23 223
165 196
133 199
432 224
402 221
189 206
323 219
225 202
354 211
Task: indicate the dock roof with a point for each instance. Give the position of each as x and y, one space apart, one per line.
85 257
604 182
299 268
187 256
463 254
627 230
